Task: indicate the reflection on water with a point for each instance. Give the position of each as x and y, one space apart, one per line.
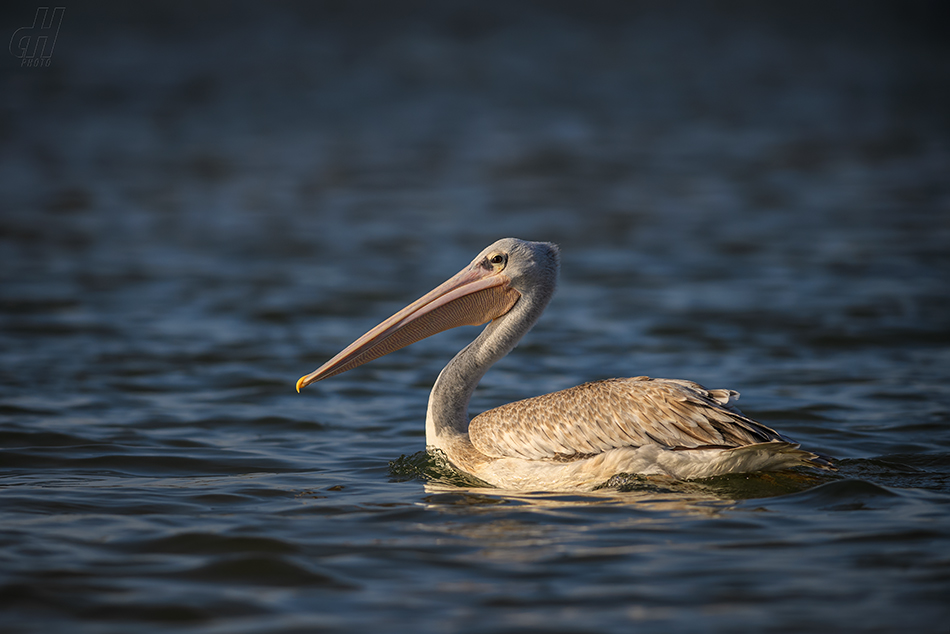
200 206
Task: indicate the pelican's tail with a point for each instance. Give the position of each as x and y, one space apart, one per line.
770 456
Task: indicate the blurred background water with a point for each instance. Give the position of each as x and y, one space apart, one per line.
201 202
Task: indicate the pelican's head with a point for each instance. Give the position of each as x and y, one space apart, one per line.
529 266
484 290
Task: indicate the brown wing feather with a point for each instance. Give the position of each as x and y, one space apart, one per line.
595 417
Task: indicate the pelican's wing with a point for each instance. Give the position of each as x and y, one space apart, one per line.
594 417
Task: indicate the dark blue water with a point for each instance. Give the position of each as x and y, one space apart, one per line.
199 206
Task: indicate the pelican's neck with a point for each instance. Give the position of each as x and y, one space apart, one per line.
447 414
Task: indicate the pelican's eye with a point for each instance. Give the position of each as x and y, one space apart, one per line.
498 260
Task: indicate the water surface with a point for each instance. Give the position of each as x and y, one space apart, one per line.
200 208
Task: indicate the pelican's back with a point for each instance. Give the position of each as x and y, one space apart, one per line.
595 417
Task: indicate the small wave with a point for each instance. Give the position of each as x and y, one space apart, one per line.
841 495
263 571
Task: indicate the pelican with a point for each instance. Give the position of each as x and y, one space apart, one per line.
574 439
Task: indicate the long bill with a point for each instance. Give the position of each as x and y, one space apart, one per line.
473 297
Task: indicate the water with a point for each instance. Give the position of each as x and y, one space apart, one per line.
199 208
